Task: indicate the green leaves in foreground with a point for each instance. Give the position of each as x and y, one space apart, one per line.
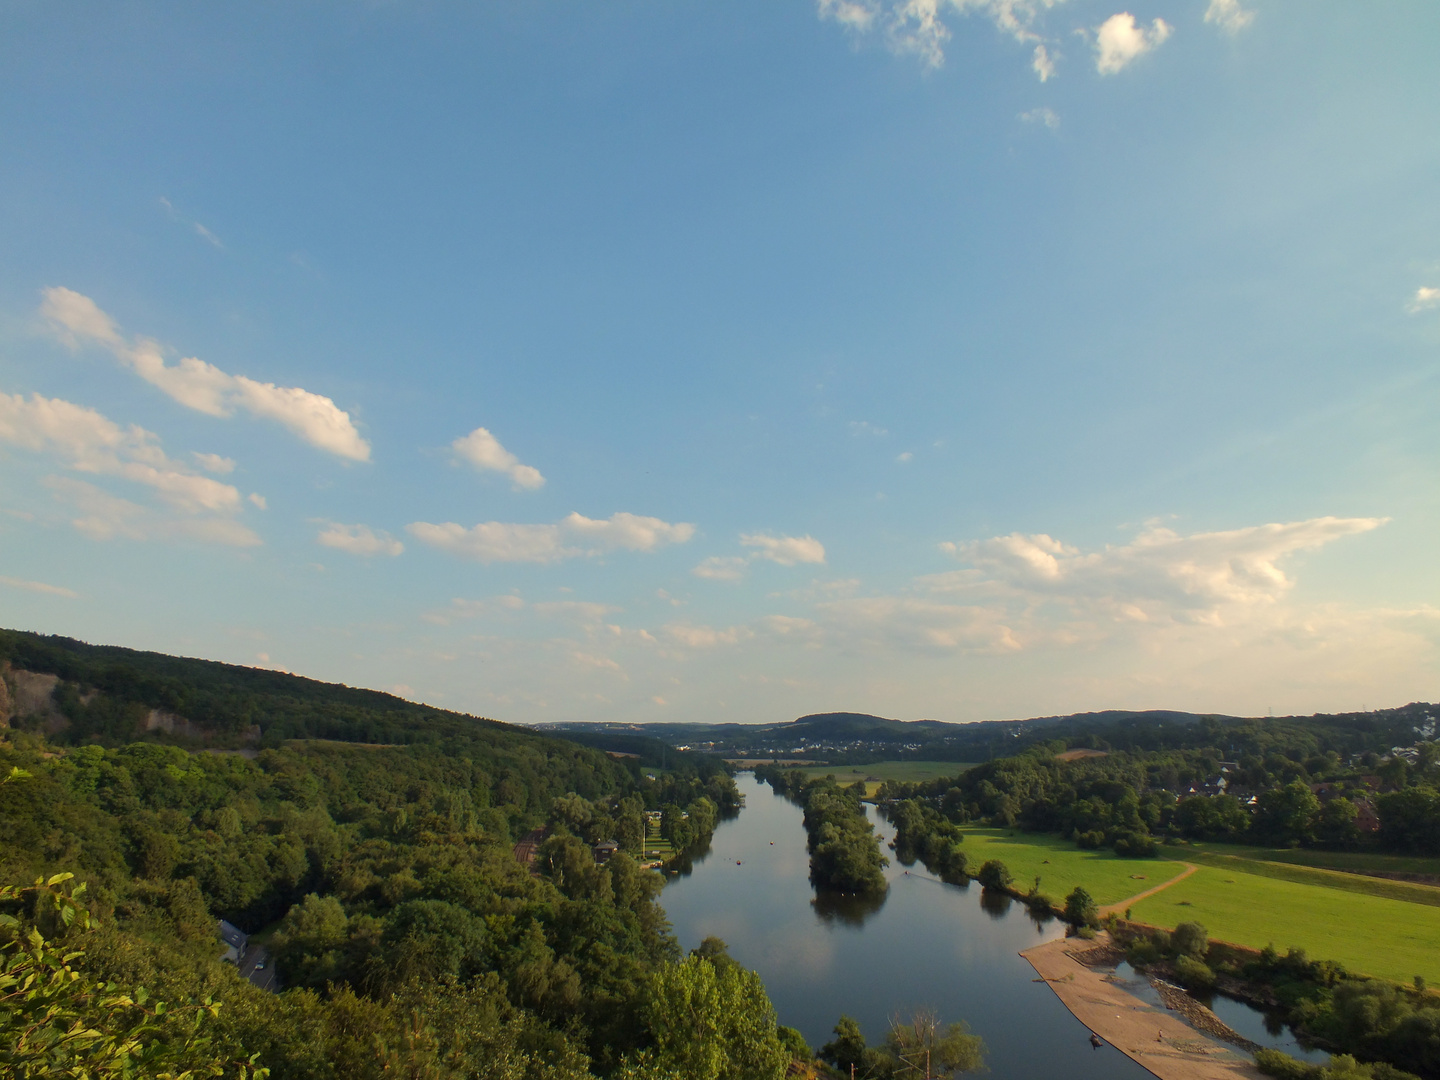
55 1022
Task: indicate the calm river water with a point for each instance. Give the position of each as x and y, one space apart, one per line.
926 944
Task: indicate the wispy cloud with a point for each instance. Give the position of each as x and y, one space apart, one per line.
917 28
1041 116
104 516
358 540
1229 15
195 226
77 319
1211 578
39 587
1426 298
482 450
574 537
1119 40
784 550
84 440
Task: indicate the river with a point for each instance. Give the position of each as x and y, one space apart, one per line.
926 944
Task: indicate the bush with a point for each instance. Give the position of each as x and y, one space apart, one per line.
1274 1063
1142 953
994 875
1190 939
1193 974
1135 845
1080 907
1090 840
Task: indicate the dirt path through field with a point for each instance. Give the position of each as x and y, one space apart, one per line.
1155 1039
1119 908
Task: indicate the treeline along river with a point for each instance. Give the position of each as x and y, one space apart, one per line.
924 944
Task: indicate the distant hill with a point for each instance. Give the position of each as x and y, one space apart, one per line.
76 691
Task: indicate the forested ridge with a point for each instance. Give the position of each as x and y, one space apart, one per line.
408 938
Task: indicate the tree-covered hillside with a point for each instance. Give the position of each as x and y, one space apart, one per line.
409 937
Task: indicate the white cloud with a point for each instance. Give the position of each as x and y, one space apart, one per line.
917 623
482 450
358 540
722 568
1041 116
104 517
916 28
204 387
705 637
1118 40
258 500
905 458
39 587
88 442
1425 299
573 537
857 15
213 462
1228 15
864 427
1043 64
785 550
1213 578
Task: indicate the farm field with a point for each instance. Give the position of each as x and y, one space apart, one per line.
1061 866
1356 862
1410 892
1374 935
1355 920
909 772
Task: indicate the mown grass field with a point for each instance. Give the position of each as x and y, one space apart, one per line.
909 772
1355 861
1061 866
1375 935
1373 926
1312 875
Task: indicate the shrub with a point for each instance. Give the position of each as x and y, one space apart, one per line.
1080 907
1274 1063
994 875
1142 953
1090 840
1193 974
1190 939
1135 845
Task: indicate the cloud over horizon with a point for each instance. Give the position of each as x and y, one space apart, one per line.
575 536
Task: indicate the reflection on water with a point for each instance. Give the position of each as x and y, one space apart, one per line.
995 904
848 909
923 944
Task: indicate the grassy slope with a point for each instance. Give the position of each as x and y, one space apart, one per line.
1375 935
1106 877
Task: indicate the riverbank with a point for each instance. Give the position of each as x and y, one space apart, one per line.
1155 1039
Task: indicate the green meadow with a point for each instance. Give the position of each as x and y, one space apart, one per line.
910 772
1061 866
1373 926
1374 935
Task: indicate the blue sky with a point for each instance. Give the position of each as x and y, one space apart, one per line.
643 361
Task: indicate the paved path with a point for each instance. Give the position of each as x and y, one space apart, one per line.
1119 907
1156 1039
